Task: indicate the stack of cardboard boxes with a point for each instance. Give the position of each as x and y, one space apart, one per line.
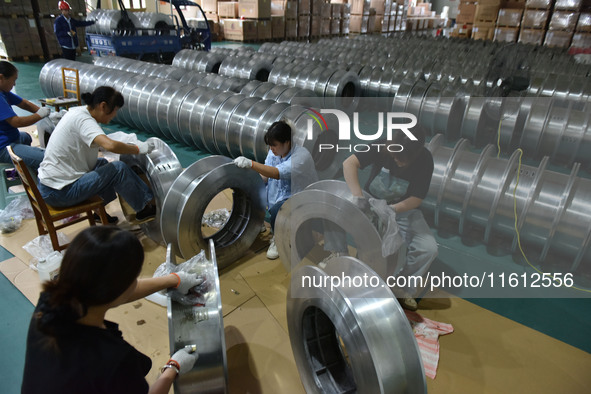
360 15
563 22
19 34
535 21
508 23
582 36
243 20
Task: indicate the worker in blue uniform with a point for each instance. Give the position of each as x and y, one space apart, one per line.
65 30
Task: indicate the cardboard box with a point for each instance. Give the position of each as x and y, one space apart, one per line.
291 10
467 11
209 5
278 26
498 3
514 4
264 30
278 7
581 40
255 9
228 9
558 39
335 27
316 7
531 36
304 7
325 27
486 13
303 26
371 23
538 4
239 29
574 5
212 17
378 5
506 34
563 20
358 23
359 7
378 21
509 17
536 19
291 28
584 22
315 21
326 11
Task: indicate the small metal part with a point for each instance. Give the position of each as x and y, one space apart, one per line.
235 292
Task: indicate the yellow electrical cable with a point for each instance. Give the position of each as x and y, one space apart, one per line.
515 209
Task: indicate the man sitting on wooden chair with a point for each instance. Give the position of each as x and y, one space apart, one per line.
71 171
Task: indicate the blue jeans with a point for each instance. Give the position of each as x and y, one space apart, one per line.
421 247
31 155
105 180
273 210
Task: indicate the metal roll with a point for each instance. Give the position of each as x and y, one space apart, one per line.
156 23
221 123
347 339
322 202
475 193
210 114
203 326
189 115
191 193
248 137
110 22
160 168
234 126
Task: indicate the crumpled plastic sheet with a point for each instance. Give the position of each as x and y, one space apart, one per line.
216 218
121 136
15 212
385 222
198 265
41 248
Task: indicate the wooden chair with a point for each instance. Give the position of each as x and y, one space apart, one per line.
71 83
46 216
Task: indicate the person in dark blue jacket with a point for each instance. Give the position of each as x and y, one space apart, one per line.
65 30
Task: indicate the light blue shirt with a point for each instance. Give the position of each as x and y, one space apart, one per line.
296 172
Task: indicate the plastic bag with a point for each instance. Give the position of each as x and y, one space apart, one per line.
12 216
121 136
46 125
387 226
199 265
41 247
216 218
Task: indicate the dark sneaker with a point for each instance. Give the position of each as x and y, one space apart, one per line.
110 219
148 213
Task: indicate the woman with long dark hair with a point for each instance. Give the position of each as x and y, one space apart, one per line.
71 348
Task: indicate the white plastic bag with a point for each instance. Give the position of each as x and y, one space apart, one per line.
12 216
128 138
387 226
197 265
41 248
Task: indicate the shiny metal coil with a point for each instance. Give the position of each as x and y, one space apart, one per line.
159 168
203 326
191 193
155 23
474 192
329 201
109 22
351 339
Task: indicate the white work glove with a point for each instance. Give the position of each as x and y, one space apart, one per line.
243 162
185 360
186 281
43 112
145 147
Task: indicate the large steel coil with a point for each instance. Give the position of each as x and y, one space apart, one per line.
351 339
160 169
329 201
475 193
198 60
109 22
191 193
155 23
203 326
246 68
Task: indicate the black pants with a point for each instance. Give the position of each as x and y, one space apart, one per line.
68 53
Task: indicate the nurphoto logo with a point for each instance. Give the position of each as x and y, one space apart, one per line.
392 121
